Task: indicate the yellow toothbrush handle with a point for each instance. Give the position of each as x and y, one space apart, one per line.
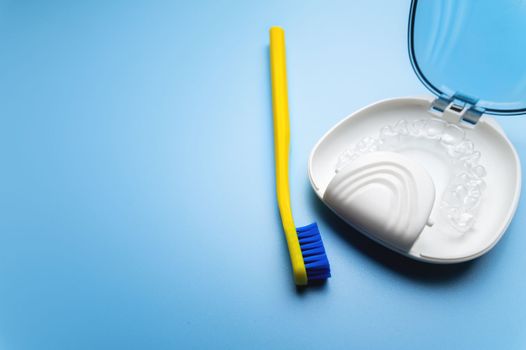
280 110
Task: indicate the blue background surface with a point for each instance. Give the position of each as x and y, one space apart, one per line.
137 206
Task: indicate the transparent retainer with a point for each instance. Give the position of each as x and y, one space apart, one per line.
462 196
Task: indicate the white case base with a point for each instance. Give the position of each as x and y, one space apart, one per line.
438 241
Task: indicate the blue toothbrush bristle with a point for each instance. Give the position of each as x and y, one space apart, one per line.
313 252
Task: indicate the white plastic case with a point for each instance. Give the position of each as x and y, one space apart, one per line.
399 193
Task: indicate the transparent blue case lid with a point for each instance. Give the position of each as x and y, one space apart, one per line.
471 50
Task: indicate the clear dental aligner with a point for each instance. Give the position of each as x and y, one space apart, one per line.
461 199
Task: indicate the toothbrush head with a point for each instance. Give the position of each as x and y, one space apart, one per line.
314 256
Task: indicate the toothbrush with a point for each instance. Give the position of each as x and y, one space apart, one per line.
307 254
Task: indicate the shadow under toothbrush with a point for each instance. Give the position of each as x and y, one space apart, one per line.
415 270
318 286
